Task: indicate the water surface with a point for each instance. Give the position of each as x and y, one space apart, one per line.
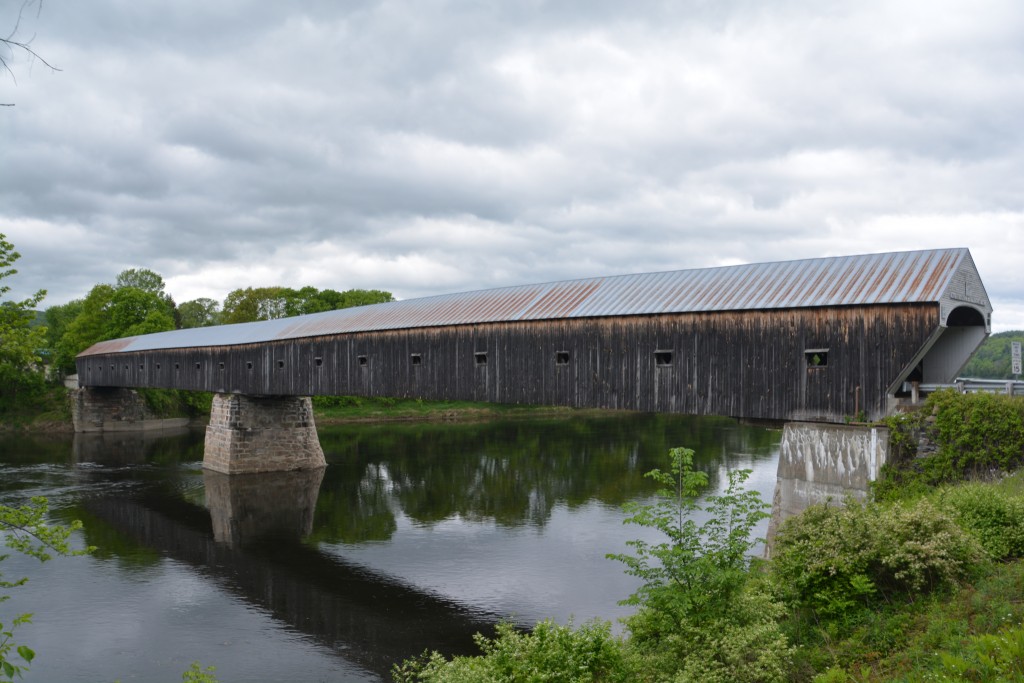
415 536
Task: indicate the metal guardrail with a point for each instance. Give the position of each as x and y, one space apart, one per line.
966 385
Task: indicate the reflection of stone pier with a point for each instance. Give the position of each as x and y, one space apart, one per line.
374 621
247 508
825 462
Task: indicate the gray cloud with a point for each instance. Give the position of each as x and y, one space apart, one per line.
443 145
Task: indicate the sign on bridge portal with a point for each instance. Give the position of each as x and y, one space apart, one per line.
1015 357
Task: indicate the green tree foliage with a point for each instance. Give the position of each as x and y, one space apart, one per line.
202 312
992 359
20 340
252 304
57 320
25 530
269 303
136 305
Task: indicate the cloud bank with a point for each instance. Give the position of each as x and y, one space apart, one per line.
438 146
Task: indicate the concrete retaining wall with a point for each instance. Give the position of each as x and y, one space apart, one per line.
821 462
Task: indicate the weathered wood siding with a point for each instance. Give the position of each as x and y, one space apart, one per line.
749 364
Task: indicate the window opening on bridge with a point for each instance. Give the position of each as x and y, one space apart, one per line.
220 365
141 366
157 366
177 366
816 358
318 361
111 367
248 365
416 359
561 357
280 364
663 358
362 361
480 357
199 366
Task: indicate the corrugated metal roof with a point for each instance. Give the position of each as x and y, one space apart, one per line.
891 278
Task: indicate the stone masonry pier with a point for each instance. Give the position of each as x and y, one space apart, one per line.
261 434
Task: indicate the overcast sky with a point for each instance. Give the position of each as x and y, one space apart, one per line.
431 146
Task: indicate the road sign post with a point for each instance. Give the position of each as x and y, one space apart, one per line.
1015 358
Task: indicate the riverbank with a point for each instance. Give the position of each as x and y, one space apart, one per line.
331 410
51 414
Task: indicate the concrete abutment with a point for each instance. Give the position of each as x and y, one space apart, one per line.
115 409
821 462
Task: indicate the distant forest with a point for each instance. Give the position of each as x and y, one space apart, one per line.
992 359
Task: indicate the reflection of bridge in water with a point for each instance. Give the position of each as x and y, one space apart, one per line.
249 540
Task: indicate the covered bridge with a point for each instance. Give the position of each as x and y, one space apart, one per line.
818 339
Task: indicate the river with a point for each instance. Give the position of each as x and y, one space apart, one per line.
415 536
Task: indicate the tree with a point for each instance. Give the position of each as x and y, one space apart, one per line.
88 327
20 341
992 359
202 312
252 304
136 305
58 318
268 303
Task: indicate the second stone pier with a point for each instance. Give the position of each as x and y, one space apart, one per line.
261 434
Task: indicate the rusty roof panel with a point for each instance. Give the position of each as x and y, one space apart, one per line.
902 277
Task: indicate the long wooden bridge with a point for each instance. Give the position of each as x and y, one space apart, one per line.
820 339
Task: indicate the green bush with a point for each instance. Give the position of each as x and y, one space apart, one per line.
694 573
550 652
990 514
745 644
977 434
837 560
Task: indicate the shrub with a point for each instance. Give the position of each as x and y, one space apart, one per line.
701 618
744 645
836 560
695 572
550 652
990 514
977 434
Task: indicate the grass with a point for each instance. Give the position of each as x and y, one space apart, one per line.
340 409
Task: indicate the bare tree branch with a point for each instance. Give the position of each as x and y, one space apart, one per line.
12 45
